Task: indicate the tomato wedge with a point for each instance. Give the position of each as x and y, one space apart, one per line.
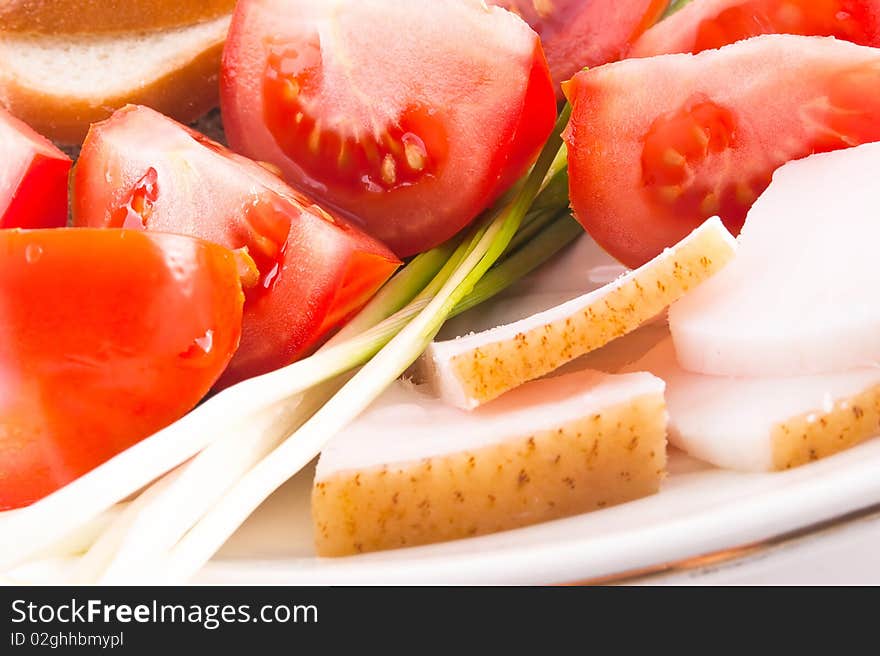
658 145
408 117
715 23
106 336
33 177
142 170
585 33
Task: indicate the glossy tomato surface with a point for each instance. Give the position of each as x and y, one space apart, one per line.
142 170
585 33
33 177
710 24
106 336
408 117
658 145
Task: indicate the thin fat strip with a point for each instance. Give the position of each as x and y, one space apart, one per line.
477 368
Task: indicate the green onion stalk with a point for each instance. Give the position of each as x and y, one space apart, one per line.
242 444
673 7
476 259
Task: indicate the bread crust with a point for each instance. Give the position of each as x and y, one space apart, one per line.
102 16
184 93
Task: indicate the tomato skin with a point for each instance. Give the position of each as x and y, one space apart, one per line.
33 178
468 90
656 146
585 33
143 170
715 23
106 336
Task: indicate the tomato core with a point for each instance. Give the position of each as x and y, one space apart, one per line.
675 149
410 149
683 151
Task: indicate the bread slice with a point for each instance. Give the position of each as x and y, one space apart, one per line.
93 16
61 84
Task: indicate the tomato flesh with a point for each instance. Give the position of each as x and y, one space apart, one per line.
413 140
106 336
659 145
715 23
412 147
585 33
33 178
142 170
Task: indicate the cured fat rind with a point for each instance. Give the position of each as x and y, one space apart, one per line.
414 470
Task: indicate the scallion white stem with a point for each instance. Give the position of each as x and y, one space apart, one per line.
366 386
414 304
170 514
166 518
62 512
172 510
89 567
292 455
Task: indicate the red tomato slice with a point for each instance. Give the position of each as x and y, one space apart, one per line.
409 117
33 178
585 33
714 23
106 336
140 169
658 145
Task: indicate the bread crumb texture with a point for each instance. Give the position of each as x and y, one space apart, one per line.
60 85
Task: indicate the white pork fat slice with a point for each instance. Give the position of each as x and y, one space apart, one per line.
477 368
765 424
801 296
414 470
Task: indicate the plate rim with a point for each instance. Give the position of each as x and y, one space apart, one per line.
803 506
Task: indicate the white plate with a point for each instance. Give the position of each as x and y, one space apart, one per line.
699 510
